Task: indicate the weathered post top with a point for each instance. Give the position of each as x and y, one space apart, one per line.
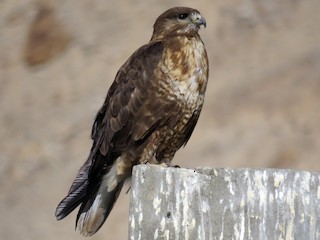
176 203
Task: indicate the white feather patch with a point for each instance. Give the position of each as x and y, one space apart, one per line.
91 220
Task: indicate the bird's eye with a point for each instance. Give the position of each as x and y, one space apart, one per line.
183 16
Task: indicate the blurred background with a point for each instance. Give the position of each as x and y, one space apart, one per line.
58 58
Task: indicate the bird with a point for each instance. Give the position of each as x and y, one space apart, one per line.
150 111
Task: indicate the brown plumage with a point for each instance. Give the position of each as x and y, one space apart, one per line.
150 111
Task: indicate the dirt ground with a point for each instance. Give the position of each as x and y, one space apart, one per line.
58 58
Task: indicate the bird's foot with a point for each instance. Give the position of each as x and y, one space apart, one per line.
169 164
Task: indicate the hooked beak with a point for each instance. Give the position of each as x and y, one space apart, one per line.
198 20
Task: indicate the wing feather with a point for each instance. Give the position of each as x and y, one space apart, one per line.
115 123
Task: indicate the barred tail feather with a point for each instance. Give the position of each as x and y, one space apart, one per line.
95 211
96 191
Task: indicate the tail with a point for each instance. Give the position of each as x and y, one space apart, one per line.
97 198
94 212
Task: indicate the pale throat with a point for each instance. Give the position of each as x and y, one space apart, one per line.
188 67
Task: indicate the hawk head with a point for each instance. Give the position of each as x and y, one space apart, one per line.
178 21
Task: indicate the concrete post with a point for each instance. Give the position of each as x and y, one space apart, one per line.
182 204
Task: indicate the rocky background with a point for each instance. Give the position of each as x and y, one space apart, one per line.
58 58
